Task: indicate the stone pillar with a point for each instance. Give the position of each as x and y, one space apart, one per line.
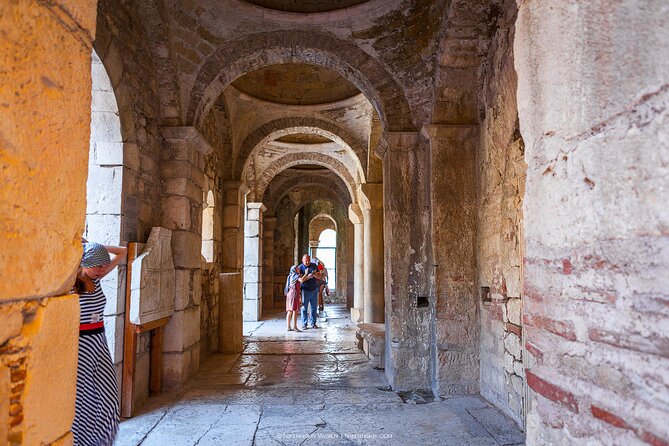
268 225
355 215
409 308
182 173
349 262
453 205
594 117
313 248
42 206
371 202
253 261
231 288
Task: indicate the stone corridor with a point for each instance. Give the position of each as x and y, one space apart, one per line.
485 183
311 388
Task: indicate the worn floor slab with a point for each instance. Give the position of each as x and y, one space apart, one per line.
311 388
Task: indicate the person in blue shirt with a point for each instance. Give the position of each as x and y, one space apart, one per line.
309 277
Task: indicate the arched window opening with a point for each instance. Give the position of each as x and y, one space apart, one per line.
327 253
208 227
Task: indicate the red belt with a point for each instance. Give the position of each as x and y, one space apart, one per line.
86 327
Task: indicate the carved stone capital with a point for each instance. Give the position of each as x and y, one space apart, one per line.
370 195
355 214
454 131
188 134
396 141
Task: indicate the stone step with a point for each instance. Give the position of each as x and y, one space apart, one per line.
371 340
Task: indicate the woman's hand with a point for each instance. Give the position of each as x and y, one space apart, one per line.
119 256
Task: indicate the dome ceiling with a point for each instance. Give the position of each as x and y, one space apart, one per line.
296 84
306 6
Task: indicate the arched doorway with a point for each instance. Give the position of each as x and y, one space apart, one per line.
104 192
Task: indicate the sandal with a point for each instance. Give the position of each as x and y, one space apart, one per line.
290 329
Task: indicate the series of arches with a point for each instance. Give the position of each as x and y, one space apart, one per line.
345 159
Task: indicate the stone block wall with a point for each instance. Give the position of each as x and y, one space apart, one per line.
593 101
132 76
500 175
213 131
40 241
182 166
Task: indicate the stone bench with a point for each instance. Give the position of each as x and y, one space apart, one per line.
372 341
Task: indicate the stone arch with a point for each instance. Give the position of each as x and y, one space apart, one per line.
112 142
367 10
256 51
286 126
294 159
331 187
104 186
321 216
318 192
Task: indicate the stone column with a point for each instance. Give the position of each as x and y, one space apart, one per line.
452 188
593 114
355 215
408 263
182 173
371 198
268 224
313 248
253 261
231 290
349 262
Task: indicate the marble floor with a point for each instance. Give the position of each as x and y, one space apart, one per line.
308 388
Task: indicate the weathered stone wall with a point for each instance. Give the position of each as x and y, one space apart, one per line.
215 131
500 173
453 205
593 100
407 262
133 78
46 104
120 43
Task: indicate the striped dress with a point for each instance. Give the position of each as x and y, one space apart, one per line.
96 416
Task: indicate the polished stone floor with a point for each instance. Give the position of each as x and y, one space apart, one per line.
309 388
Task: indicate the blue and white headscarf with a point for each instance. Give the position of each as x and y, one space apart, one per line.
95 254
292 278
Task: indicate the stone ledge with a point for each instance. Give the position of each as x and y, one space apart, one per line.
371 340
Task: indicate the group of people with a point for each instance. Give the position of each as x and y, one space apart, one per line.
305 284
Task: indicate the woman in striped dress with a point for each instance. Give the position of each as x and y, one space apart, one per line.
96 416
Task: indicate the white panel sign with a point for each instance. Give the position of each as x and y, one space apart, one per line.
152 284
